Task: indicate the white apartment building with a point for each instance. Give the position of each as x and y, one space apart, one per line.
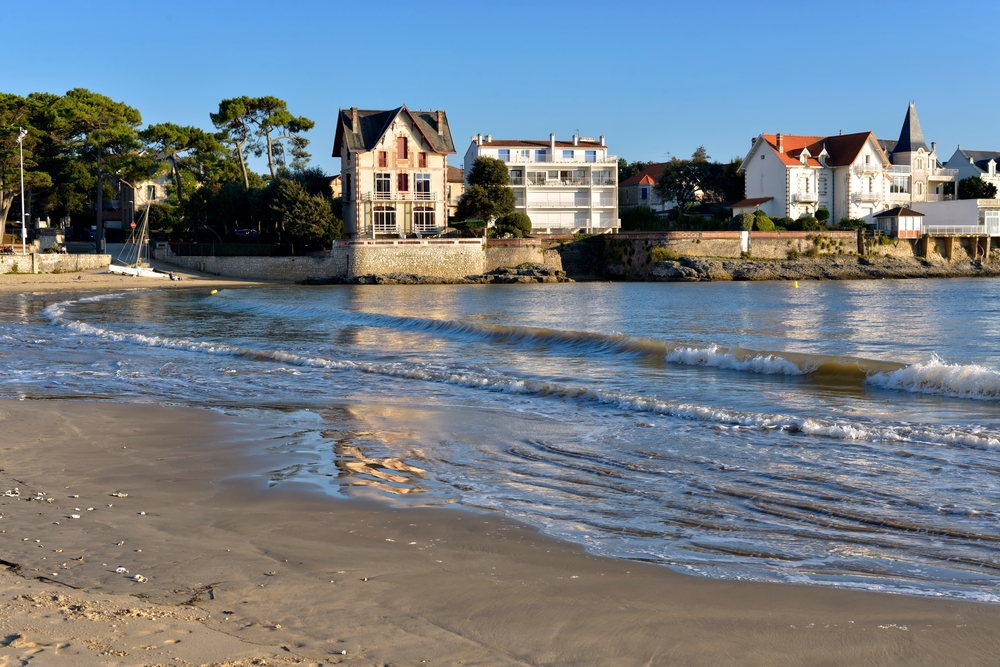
565 187
394 167
795 176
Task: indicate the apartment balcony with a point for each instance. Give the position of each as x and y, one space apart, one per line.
805 198
519 159
517 180
555 182
942 175
401 196
868 197
869 169
898 170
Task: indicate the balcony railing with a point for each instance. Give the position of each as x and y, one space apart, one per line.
898 170
385 227
868 197
518 159
954 230
942 174
517 180
400 196
805 198
869 169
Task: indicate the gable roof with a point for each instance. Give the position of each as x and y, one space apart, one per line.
899 211
911 138
842 149
373 124
753 201
981 159
647 176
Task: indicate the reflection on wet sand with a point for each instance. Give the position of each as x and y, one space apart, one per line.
352 462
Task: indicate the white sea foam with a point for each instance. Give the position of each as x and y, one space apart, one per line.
720 358
936 377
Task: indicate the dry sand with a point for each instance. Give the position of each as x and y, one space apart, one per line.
238 572
103 280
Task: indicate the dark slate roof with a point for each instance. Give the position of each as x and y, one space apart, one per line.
888 145
456 175
375 123
899 211
982 158
911 138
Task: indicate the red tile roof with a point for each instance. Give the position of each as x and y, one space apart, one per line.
843 149
754 201
647 176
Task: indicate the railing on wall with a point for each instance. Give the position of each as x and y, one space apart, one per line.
400 196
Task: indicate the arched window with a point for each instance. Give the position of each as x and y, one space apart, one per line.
920 187
423 219
384 219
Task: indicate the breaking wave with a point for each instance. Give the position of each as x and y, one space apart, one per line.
493 381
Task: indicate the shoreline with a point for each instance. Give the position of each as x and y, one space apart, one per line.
238 570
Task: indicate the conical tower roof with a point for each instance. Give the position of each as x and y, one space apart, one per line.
911 138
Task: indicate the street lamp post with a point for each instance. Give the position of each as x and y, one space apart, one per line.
24 230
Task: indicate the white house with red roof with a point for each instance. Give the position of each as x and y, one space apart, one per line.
794 176
640 190
565 187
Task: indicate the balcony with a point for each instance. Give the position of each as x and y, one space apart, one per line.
805 198
401 196
869 169
942 174
868 197
898 170
519 159
517 180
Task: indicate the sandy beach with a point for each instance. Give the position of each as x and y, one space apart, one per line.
137 534
102 280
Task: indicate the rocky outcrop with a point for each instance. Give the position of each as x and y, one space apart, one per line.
840 267
530 273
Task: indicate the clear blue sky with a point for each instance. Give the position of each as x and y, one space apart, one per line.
656 78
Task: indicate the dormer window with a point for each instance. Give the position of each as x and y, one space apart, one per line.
868 159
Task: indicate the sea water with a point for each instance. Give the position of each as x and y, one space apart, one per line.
838 433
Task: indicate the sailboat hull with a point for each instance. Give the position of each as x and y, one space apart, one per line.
136 271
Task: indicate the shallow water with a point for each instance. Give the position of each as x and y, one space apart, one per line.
839 433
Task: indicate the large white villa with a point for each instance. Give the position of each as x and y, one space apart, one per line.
565 187
849 175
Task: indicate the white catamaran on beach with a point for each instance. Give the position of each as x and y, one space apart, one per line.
131 259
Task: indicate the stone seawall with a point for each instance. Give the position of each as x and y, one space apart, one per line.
511 253
349 259
51 263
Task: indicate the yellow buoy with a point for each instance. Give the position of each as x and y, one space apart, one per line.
795 284
215 291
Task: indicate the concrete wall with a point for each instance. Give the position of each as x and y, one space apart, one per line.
51 263
437 258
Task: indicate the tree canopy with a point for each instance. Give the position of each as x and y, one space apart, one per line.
974 187
489 195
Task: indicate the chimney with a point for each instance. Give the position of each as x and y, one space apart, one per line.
479 139
552 145
489 138
440 122
781 144
602 139
933 147
576 140
355 128
753 140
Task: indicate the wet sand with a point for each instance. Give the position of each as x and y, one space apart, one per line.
236 571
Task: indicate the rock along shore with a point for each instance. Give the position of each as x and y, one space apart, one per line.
839 267
533 273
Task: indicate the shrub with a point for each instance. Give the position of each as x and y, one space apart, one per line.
663 254
514 225
822 215
763 223
742 222
793 254
806 224
783 223
852 223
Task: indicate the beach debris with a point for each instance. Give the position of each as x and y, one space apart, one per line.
140 579
142 514
90 509
75 496
73 516
364 578
13 493
277 626
58 551
121 570
269 574
50 500
119 494
121 543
